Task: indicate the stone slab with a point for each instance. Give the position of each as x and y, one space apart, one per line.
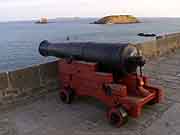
47 115
168 124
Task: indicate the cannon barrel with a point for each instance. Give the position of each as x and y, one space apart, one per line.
111 57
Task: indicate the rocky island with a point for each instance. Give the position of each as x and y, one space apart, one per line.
117 19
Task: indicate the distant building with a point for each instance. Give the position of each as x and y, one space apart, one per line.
43 20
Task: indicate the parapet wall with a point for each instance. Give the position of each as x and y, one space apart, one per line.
161 46
28 82
39 79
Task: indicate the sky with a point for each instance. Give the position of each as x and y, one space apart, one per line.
33 9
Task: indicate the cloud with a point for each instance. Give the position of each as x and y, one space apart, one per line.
15 3
27 9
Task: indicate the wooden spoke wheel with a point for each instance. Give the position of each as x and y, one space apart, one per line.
117 116
66 96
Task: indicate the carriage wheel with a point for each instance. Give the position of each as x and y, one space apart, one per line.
66 96
117 116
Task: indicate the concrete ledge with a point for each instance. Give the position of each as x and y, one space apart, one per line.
48 72
3 81
25 78
161 46
149 49
31 81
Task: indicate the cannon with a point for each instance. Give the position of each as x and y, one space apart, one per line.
114 57
106 71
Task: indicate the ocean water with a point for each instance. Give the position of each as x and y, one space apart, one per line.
19 41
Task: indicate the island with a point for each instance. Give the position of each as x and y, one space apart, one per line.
43 20
117 19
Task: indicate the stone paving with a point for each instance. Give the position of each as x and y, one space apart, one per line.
48 116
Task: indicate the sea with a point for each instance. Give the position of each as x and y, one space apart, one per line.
19 41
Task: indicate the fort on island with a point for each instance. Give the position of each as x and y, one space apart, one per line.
43 20
117 19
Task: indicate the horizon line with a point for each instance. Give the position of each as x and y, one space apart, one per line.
83 17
